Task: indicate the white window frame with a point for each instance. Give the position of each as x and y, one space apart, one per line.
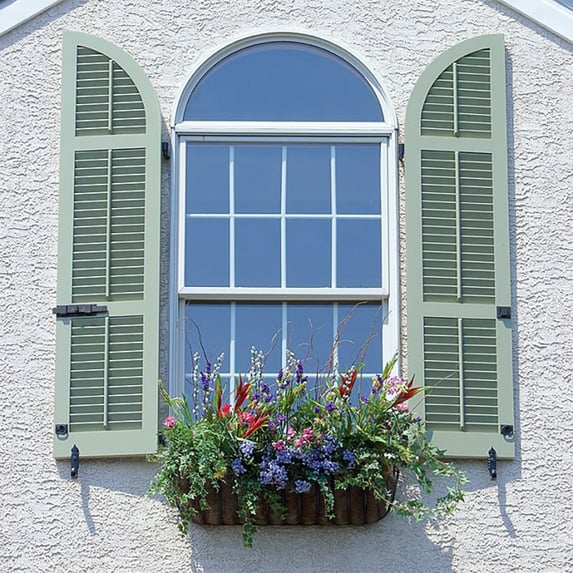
385 133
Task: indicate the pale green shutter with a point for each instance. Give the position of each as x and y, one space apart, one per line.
457 232
107 362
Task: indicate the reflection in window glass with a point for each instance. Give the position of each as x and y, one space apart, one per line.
308 329
283 81
258 325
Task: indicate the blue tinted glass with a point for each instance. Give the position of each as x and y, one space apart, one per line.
207 173
308 253
257 253
258 179
308 179
358 179
207 331
258 325
360 336
310 334
358 261
207 252
283 81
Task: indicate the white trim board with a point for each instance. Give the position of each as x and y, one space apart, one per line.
19 11
552 15
549 14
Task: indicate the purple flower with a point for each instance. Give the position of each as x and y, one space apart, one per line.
349 458
246 449
301 486
417 420
208 367
238 467
330 407
272 425
281 417
205 381
316 409
273 474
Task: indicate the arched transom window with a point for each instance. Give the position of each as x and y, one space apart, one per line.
286 212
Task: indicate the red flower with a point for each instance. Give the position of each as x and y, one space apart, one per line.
225 411
242 393
256 422
348 381
407 393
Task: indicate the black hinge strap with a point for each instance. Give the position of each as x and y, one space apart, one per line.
68 310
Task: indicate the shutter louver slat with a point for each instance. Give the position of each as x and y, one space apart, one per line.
88 391
459 101
92 184
107 99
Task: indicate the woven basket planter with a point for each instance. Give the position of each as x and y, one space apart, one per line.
353 506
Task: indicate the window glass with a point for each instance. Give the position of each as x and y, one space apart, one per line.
257 179
358 262
358 179
283 81
207 179
207 252
308 185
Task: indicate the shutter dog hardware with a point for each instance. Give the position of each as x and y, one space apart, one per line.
72 310
165 151
492 463
75 462
506 430
62 430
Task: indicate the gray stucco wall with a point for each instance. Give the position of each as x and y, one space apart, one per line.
104 522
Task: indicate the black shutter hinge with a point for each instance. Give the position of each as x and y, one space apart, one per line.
71 310
503 312
492 463
401 149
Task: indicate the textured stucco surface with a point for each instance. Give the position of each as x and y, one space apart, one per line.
104 522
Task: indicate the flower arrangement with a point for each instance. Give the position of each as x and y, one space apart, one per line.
339 433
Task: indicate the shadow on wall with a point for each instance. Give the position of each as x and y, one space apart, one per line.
392 544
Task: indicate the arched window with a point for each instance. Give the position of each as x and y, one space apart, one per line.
286 211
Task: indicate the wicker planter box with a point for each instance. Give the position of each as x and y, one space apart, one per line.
354 506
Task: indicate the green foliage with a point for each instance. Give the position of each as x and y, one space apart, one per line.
281 437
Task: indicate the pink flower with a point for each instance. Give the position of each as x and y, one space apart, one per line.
279 445
169 422
402 406
290 433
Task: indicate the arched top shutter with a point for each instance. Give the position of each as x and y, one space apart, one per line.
458 277
108 259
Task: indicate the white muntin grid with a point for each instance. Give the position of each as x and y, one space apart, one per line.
283 294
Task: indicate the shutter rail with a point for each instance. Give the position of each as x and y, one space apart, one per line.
106 373
455 98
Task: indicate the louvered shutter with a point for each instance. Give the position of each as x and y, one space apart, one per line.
107 362
458 249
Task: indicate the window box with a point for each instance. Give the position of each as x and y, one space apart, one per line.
352 506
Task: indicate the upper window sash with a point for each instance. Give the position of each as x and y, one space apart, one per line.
206 292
